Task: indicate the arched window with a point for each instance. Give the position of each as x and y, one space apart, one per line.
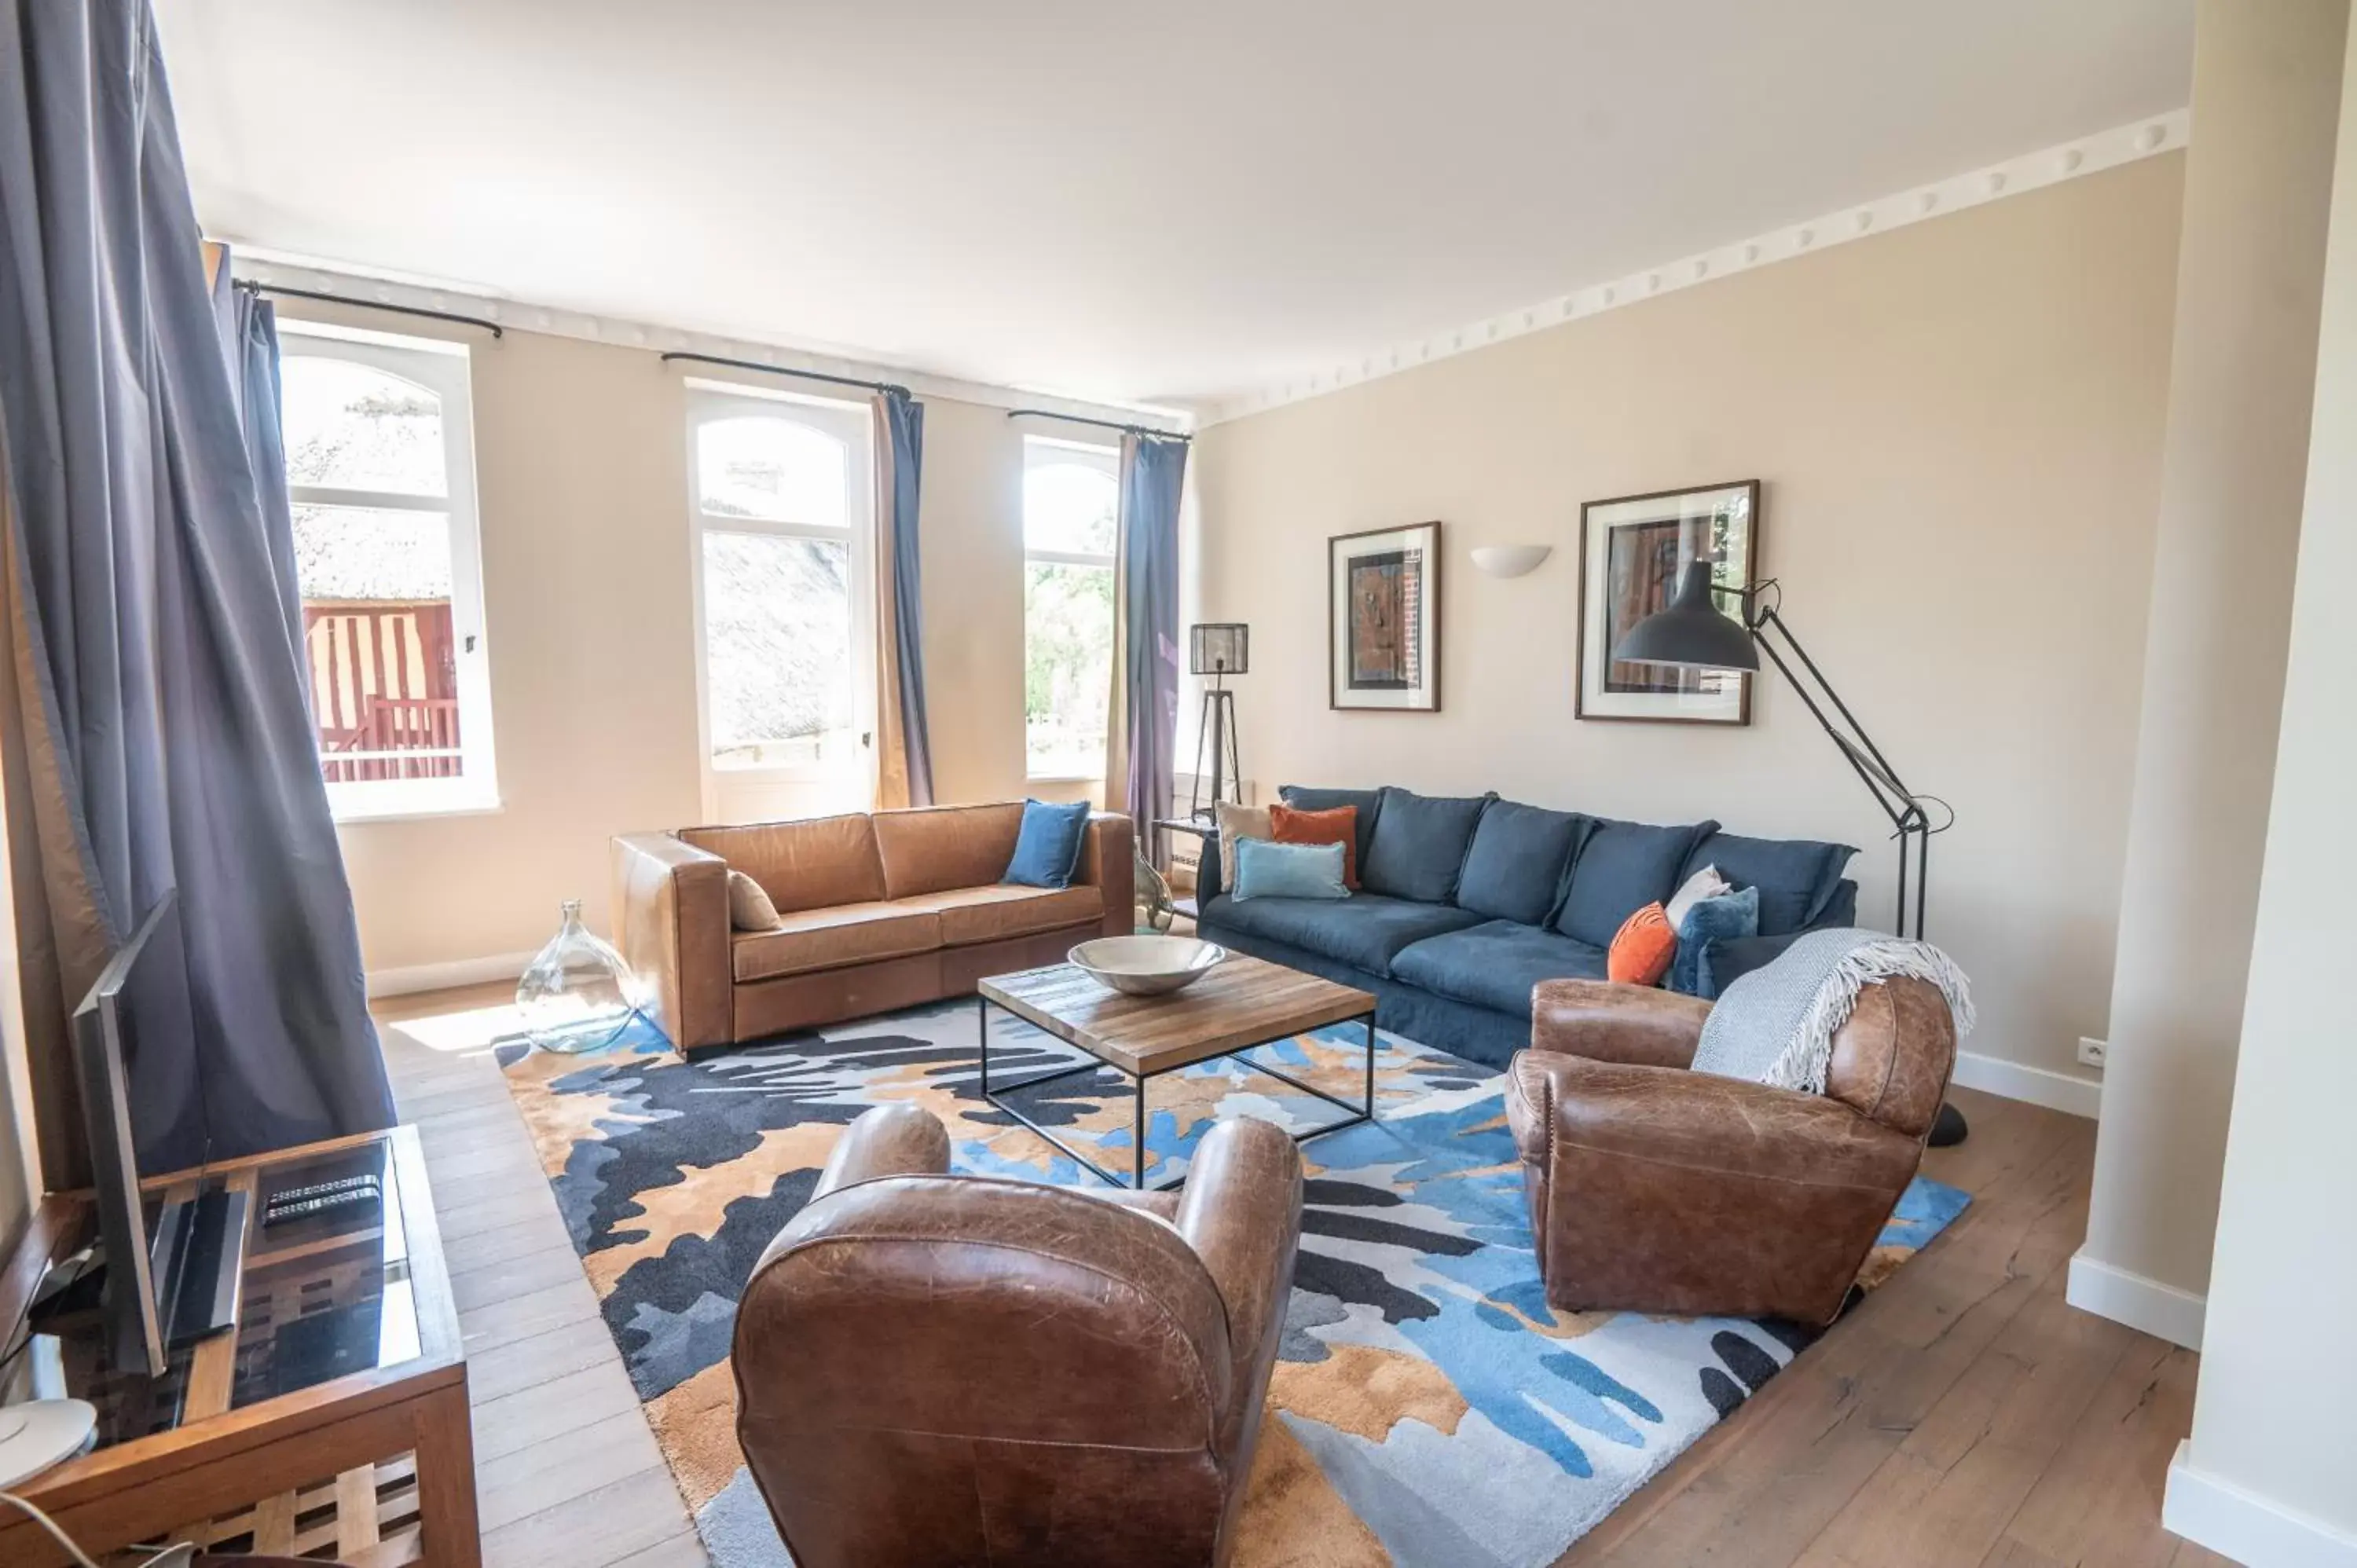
380 478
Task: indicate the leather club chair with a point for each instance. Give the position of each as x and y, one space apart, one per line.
938 1369
1657 1189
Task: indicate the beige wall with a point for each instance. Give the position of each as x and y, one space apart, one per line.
1958 425
2275 1419
2266 98
588 561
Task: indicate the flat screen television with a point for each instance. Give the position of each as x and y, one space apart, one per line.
175 1279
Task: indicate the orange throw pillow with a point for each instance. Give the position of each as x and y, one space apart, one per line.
1338 825
1642 948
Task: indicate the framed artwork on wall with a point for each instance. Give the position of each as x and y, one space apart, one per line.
1382 617
1632 551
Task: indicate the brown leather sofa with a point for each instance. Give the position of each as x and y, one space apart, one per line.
936 1369
876 912
1657 1189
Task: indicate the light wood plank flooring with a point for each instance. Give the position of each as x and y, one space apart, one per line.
1962 1415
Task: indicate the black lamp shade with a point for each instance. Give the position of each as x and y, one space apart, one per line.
1219 649
1693 633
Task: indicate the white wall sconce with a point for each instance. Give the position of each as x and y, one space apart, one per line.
1509 559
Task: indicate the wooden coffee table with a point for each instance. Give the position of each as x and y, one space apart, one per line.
1243 1004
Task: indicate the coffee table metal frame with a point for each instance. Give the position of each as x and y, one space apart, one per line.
994 1097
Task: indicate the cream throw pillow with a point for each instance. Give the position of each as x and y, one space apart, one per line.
1238 822
1703 883
749 908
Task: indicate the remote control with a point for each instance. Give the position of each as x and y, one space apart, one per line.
350 1198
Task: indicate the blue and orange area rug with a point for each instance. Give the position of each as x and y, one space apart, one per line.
1428 1407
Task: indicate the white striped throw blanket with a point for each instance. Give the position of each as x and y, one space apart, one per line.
1776 1025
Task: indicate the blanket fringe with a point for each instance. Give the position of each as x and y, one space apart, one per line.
1808 1056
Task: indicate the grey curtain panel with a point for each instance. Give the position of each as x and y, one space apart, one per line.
249 330
159 737
1153 472
904 757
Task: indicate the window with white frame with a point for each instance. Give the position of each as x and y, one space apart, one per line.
379 434
1069 502
785 512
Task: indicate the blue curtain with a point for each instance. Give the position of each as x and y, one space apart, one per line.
249 332
159 731
1153 471
904 763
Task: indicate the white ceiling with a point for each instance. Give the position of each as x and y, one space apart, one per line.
1149 204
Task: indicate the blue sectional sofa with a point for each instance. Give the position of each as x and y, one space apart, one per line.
1466 903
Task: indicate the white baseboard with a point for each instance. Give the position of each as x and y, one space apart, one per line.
2040 1086
2214 1512
402 981
2145 1304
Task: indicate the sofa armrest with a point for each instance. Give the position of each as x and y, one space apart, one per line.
1241 1211
885 1141
1611 1023
1108 862
1209 882
670 923
1748 1201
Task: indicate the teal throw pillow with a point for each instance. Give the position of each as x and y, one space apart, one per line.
1047 848
1267 870
1723 918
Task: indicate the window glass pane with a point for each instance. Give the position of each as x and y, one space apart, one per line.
1067 667
358 427
760 465
378 642
776 618
1068 506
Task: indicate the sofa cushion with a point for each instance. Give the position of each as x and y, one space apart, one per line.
1268 870
1796 878
1514 870
1048 844
1727 918
813 863
1365 802
811 939
1363 930
930 848
1337 824
1419 845
971 915
1495 964
1622 867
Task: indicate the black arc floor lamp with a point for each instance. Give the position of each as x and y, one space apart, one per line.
1694 633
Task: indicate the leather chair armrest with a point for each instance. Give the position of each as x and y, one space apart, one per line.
1241 1211
1108 863
1608 1023
885 1141
670 924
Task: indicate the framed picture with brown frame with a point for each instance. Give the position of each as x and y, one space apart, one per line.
1382 619
1632 551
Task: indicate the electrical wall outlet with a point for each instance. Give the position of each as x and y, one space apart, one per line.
2091 1053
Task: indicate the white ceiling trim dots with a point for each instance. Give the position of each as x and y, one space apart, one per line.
266 266
2032 171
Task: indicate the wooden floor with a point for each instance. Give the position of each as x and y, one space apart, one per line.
1962 1415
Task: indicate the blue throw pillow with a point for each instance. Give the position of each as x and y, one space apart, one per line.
1622 867
1048 849
1419 845
1797 878
1514 870
1267 870
1729 917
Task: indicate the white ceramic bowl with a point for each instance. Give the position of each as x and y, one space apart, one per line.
1146 966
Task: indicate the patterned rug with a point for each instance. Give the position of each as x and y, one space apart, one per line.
1428 1407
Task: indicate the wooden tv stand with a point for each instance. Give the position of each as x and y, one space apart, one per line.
333 1422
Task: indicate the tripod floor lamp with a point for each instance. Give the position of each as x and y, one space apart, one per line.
1694 633
1219 651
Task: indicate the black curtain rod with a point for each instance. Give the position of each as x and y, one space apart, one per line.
251 286
784 370
1100 424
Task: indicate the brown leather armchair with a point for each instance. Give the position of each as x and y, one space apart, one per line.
1657 1189
960 1369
